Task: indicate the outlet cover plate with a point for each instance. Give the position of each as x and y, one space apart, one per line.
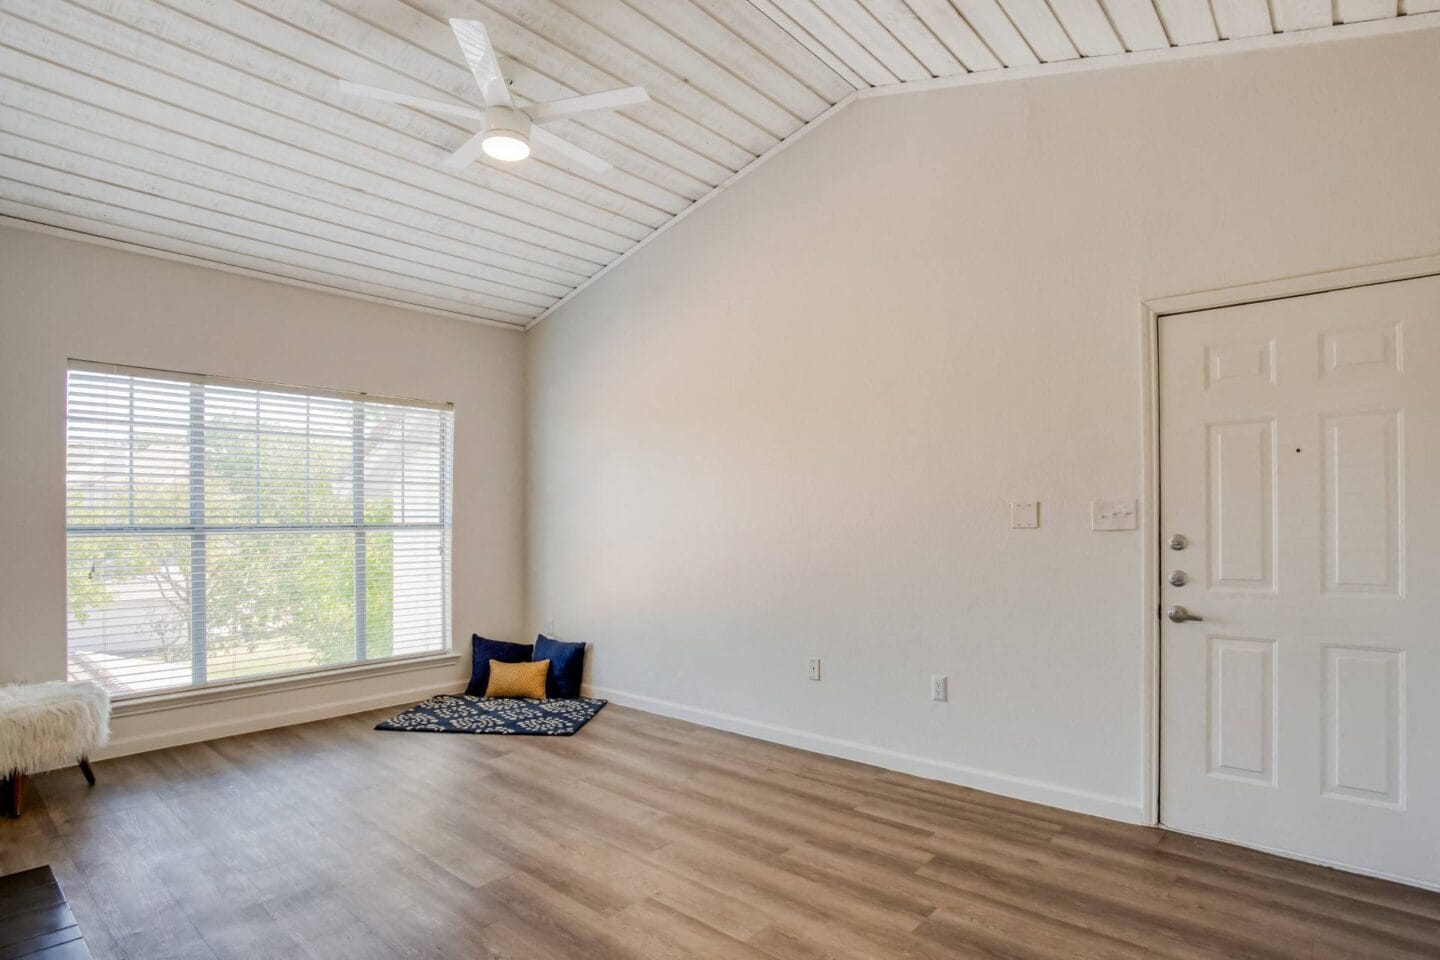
939 687
1024 514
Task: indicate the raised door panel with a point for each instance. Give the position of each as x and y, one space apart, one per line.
1241 714
1362 503
1364 724
1368 350
1241 499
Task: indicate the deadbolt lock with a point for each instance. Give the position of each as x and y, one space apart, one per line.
1177 578
1179 542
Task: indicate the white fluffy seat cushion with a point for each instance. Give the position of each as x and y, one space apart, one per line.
49 725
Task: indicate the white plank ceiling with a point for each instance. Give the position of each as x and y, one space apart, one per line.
214 128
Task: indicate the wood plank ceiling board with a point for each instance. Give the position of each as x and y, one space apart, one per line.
1293 15
994 26
1088 27
746 19
751 63
1037 22
916 36
1138 24
863 37
1242 18
958 36
1354 11
217 130
1189 21
824 37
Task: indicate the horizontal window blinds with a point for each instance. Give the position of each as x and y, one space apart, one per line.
220 531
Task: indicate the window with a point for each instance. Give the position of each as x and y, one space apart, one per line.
221 531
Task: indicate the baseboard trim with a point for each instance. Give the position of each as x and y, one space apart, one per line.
1108 806
122 745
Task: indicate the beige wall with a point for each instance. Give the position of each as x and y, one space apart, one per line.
789 428
60 298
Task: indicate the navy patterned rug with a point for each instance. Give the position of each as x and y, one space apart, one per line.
466 714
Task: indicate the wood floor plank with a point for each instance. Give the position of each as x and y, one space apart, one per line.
1149 921
647 838
668 934
553 920
1321 906
729 915
1012 932
1362 889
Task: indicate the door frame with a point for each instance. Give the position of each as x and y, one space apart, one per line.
1152 310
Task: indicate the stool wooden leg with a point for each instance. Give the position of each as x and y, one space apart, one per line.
15 790
85 769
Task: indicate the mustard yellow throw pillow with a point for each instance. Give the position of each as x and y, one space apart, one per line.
518 679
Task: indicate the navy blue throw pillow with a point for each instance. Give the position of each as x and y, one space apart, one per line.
483 651
567 664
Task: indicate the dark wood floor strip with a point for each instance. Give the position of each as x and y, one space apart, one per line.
35 919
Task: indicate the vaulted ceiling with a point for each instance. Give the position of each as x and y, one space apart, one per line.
214 129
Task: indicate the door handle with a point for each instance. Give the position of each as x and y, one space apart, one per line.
1179 614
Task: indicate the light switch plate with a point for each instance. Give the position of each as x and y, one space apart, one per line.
1024 514
814 668
1112 515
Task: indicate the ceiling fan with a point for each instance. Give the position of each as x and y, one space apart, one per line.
507 132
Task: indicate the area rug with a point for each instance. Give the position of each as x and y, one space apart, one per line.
466 714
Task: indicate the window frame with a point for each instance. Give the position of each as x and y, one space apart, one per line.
200 687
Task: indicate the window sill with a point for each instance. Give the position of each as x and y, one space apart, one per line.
137 704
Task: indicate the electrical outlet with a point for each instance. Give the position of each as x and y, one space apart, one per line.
1024 514
1112 515
814 668
939 687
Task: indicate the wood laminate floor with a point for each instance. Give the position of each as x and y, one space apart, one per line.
644 837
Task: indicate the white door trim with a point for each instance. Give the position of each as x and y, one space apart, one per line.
1151 310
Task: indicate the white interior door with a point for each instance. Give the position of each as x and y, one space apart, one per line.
1300 459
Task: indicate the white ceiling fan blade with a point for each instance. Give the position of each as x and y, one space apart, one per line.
466 155
434 106
475 44
546 142
591 102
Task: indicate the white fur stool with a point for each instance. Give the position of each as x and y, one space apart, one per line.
49 725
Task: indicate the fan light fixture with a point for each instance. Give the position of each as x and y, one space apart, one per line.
503 145
507 134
